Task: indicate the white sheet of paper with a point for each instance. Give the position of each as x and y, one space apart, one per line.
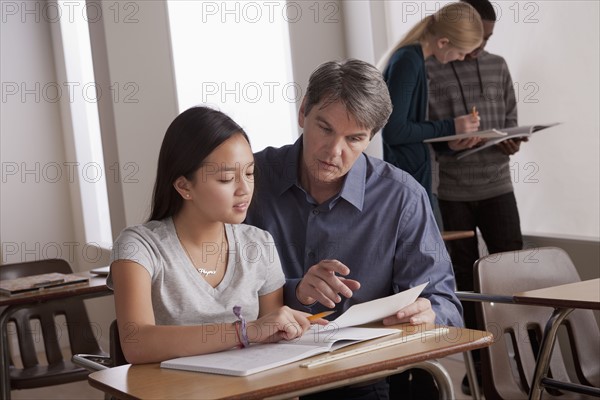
376 310
325 335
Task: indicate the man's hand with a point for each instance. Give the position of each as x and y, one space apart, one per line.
323 285
462 144
511 146
419 312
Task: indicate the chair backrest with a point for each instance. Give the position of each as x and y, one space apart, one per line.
116 352
28 268
509 363
76 324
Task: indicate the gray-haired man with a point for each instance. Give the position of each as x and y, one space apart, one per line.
350 228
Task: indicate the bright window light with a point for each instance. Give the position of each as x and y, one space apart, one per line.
86 127
234 56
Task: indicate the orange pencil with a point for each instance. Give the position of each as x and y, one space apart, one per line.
474 112
320 315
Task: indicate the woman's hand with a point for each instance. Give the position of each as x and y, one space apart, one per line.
466 123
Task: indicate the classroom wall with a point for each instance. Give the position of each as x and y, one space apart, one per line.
35 202
316 36
556 73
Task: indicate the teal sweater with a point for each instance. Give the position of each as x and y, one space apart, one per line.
407 127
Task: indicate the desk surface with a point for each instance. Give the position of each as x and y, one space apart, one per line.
584 294
95 287
149 381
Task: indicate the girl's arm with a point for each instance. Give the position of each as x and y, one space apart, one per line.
270 302
143 341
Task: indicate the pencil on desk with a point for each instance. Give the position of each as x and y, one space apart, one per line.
320 315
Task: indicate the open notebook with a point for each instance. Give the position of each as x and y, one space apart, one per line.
510 133
319 339
489 134
492 136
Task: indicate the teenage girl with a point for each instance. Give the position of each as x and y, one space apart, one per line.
193 279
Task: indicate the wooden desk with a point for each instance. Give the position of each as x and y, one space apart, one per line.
95 288
584 294
564 299
454 235
152 382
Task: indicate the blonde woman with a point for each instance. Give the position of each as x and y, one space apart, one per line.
448 35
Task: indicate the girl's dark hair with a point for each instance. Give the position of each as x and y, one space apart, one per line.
190 138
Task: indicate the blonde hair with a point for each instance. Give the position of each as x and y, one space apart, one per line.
459 22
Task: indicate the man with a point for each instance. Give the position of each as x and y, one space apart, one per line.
350 228
476 191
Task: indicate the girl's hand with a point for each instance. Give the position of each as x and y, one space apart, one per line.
281 324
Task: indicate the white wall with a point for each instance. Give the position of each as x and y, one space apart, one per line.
316 36
552 49
557 72
34 197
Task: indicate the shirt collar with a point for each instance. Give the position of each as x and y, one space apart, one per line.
289 161
353 189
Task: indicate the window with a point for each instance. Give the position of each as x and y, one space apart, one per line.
83 112
234 56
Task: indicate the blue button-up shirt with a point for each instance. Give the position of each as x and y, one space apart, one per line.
380 225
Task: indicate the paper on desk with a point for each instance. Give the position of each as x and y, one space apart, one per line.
376 310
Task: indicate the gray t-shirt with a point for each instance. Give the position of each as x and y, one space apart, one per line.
180 295
485 174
